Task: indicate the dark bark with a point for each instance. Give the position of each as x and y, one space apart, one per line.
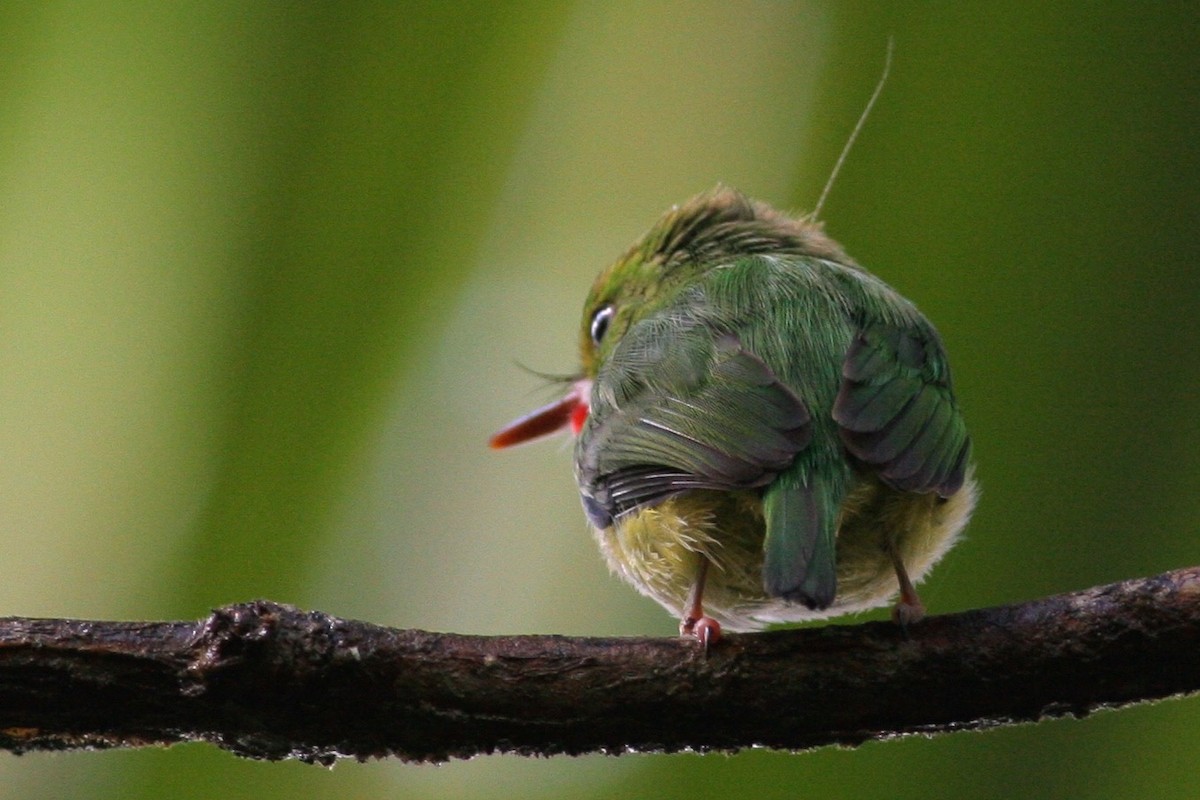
271 681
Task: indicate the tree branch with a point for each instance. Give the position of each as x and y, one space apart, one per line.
270 681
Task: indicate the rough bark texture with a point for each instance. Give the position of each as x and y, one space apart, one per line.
270 681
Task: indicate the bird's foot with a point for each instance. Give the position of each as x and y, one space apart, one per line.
695 622
908 611
704 629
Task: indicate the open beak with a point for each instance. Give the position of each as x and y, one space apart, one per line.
571 411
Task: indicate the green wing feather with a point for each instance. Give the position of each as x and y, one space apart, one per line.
896 409
681 407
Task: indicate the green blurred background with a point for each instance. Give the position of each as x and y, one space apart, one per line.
265 270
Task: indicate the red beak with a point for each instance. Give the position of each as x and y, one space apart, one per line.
572 410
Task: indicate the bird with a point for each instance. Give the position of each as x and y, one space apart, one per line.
765 432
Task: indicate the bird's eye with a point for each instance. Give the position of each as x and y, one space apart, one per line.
600 322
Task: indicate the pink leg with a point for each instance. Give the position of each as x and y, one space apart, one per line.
909 608
706 629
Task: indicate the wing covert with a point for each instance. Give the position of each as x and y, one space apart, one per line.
896 409
660 428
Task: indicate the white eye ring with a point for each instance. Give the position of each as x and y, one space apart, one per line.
600 322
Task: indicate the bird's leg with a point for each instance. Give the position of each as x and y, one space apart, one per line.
694 622
909 608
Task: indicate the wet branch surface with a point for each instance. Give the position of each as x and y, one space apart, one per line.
265 680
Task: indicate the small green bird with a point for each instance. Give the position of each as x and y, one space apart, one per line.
766 431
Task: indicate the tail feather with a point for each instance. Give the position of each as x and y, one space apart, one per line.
799 561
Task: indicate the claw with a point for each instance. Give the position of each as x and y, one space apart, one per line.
708 631
908 612
704 629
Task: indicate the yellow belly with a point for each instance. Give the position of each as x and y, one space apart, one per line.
658 550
